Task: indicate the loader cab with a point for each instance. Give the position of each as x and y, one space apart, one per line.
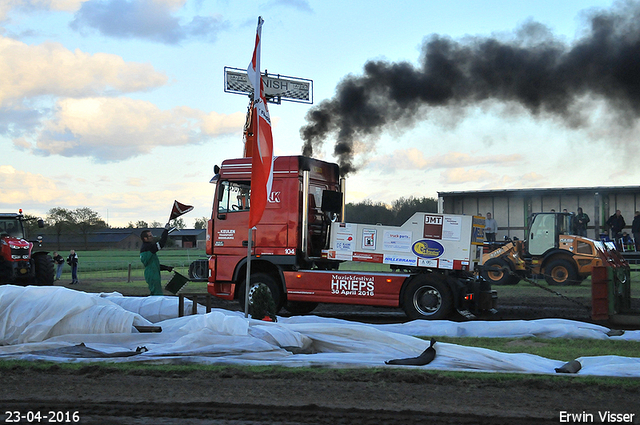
545 229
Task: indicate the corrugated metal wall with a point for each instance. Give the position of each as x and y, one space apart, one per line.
511 208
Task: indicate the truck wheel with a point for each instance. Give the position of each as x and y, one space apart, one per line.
300 307
426 297
269 282
44 269
497 272
561 272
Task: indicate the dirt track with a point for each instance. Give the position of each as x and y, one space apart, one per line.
281 396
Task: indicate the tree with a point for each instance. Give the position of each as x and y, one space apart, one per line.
368 212
404 208
30 223
200 223
155 224
60 219
178 223
141 224
87 220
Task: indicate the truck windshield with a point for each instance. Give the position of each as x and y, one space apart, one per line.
11 227
233 196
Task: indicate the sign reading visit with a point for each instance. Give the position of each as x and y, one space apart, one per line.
276 87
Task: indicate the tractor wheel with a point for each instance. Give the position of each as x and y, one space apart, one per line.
300 307
427 297
269 282
561 272
498 272
44 269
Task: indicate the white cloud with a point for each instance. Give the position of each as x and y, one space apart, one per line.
20 187
51 69
153 20
110 129
460 175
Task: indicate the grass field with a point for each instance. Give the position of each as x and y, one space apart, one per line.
122 271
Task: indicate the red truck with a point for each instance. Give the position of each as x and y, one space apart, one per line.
302 248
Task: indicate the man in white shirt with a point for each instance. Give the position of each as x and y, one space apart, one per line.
490 228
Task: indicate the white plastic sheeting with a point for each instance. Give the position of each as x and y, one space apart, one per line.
60 324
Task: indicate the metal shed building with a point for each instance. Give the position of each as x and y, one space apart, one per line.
512 207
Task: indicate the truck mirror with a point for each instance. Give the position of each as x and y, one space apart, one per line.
40 223
331 201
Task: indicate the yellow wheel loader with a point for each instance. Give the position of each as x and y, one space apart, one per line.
551 250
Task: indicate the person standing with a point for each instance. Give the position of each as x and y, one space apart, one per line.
635 230
581 222
616 224
72 260
59 261
149 259
490 228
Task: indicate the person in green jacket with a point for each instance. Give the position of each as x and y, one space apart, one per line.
149 258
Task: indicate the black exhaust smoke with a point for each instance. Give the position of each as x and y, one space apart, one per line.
532 68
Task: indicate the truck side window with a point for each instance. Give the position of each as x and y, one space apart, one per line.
234 196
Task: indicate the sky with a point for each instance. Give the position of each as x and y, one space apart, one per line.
119 105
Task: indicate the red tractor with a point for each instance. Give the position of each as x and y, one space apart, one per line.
19 263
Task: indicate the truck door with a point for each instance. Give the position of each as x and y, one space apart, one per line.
230 233
542 234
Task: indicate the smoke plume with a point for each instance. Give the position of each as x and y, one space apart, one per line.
531 67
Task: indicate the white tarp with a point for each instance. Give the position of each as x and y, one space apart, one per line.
60 324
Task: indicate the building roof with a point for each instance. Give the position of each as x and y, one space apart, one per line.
544 191
188 232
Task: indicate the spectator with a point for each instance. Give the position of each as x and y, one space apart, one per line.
59 261
72 260
616 224
490 228
635 229
581 221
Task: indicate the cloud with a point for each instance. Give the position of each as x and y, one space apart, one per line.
150 20
460 175
50 69
484 179
112 129
21 188
414 159
7 6
302 5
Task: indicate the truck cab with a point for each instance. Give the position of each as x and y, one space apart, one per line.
294 227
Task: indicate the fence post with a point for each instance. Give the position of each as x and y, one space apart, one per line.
129 277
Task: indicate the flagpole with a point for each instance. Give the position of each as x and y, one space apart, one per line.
256 131
248 278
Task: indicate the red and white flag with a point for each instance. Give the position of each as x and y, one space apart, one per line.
262 161
178 210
